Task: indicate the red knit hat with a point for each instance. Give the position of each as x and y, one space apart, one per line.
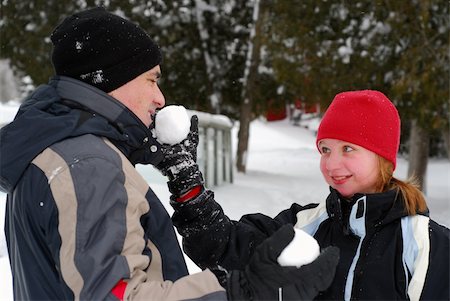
366 118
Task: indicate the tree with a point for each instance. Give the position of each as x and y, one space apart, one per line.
25 34
421 75
321 48
399 47
201 41
249 83
312 49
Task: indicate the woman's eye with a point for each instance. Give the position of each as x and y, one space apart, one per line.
324 150
348 148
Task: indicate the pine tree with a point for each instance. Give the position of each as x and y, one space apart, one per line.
25 34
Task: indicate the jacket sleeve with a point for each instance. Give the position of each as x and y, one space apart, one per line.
211 239
437 280
102 240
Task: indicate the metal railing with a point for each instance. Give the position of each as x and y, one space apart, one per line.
214 151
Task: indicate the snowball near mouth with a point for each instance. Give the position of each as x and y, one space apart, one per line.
172 124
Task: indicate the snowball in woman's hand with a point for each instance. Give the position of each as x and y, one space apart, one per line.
303 249
172 125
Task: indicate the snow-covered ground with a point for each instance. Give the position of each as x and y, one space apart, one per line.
283 167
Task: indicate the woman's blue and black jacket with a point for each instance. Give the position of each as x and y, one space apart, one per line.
384 253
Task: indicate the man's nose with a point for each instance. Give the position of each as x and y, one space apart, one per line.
159 99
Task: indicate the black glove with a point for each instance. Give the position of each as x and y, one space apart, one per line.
264 279
180 162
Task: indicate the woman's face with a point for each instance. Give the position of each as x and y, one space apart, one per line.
348 168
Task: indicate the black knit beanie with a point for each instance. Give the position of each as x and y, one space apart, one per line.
102 49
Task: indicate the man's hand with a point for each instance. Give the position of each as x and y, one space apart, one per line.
180 163
264 279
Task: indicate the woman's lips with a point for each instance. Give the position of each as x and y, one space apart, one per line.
340 179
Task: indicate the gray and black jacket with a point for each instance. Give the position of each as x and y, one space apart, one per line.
81 223
385 254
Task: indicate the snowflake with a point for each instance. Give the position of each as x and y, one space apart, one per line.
78 45
95 76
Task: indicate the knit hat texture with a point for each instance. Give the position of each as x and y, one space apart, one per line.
366 118
102 49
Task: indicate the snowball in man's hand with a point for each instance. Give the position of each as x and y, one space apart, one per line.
172 125
303 249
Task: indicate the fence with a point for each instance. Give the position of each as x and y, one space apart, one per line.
215 148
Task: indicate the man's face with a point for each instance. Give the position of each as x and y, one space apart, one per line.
142 95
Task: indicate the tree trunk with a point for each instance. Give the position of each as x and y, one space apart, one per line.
446 135
249 86
418 153
212 85
243 135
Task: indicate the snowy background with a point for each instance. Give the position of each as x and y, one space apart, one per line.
283 167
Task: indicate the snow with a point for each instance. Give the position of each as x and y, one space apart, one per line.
283 167
206 119
172 124
78 45
95 76
9 84
8 111
303 249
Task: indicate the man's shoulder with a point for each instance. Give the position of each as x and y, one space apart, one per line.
85 147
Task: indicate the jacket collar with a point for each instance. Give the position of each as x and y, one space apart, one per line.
372 210
135 140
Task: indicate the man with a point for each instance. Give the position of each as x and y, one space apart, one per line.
81 222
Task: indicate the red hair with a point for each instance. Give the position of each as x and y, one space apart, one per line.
412 196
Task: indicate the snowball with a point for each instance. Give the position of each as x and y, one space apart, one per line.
172 125
303 249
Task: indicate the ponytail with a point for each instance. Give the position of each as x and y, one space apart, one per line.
412 196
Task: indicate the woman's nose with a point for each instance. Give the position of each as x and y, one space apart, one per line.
333 161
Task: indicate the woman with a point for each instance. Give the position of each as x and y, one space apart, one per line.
389 247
